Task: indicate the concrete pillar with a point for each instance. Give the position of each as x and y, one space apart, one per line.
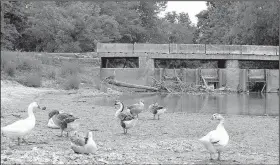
232 64
243 79
146 68
184 75
197 76
222 80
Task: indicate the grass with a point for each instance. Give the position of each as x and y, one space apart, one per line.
171 140
36 69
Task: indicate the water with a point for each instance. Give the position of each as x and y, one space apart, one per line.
240 104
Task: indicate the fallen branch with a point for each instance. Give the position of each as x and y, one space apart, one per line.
263 88
204 81
123 84
161 84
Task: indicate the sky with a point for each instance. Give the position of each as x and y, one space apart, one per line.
190 7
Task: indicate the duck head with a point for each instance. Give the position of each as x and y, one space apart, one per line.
142 101
217 116
89 135
34 105
117 102
153 105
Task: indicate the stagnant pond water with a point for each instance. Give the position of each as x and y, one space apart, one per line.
240 104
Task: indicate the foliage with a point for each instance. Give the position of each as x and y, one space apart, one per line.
33 80
30 70
236 22
10 68
69 68
72 82
52 26
179 63
121 62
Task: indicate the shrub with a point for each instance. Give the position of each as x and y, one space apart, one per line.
10 68
6 58
27 64
69 68
33 80
46 60
72 82
51 74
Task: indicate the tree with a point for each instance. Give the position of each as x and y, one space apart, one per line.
13 22
252 23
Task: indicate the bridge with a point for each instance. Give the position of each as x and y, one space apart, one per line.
228 55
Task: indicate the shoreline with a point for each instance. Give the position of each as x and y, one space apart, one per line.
172 139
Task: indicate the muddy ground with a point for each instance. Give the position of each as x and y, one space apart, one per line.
172 139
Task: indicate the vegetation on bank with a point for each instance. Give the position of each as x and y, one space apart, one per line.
78 26
34 70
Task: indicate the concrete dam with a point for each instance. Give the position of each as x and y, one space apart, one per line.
228 57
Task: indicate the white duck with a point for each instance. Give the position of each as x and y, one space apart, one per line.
137 108
23 127
83 145
216 140
157 110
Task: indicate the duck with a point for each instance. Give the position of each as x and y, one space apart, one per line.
216 140
156 109
121 113
63 121
51 123
84 145
128 122
23 127
137 108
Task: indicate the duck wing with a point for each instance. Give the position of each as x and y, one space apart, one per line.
52 113
123 116
14 127
214 137
156 108
78 149
78 140
63 119
127 118
134 106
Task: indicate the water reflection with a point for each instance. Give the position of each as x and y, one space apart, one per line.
241 104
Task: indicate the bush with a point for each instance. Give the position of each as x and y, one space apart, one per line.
51 74
69 68
10 68
6 58
46 60
72 82
27 64
33 80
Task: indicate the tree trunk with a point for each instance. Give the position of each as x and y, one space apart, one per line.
123 84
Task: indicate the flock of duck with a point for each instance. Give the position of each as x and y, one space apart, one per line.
214 141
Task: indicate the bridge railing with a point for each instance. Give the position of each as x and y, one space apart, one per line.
187 49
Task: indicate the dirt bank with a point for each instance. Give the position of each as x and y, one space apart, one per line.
173 139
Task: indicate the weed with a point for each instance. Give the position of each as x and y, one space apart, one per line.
72 82
69 68
33 80
10 68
